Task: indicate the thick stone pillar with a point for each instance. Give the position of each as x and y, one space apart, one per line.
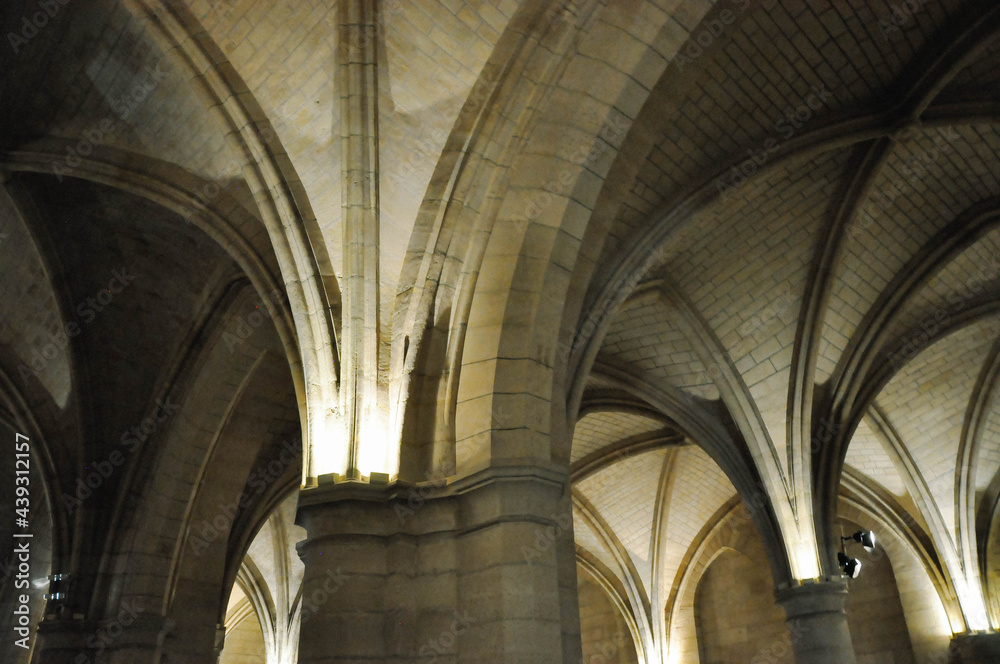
817 622
191 638
471 572
61 640
975 649
128 638
141 641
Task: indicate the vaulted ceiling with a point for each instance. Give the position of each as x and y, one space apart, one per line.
789 222
816 184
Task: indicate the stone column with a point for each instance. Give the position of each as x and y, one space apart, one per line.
817 622
61 640
140 642
128 638
975 649
469 572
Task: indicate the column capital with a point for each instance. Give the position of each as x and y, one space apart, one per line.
975 648
220 640
813 598
817 622
473 570
458 505
124 636
65 633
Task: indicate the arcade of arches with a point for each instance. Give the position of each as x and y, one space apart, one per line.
521 331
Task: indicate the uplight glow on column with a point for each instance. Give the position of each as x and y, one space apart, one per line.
328 445
804 555
378 452
970 597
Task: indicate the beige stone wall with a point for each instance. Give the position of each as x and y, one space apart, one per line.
737 620
735 614
245 643
606 638
875 614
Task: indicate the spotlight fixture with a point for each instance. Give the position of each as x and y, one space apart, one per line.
865 538
850 566
58 585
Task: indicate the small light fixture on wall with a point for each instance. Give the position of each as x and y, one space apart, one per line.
56 594
851 567
57 588
865 538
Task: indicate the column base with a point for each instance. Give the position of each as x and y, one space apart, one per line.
975 649
818 623
470 572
